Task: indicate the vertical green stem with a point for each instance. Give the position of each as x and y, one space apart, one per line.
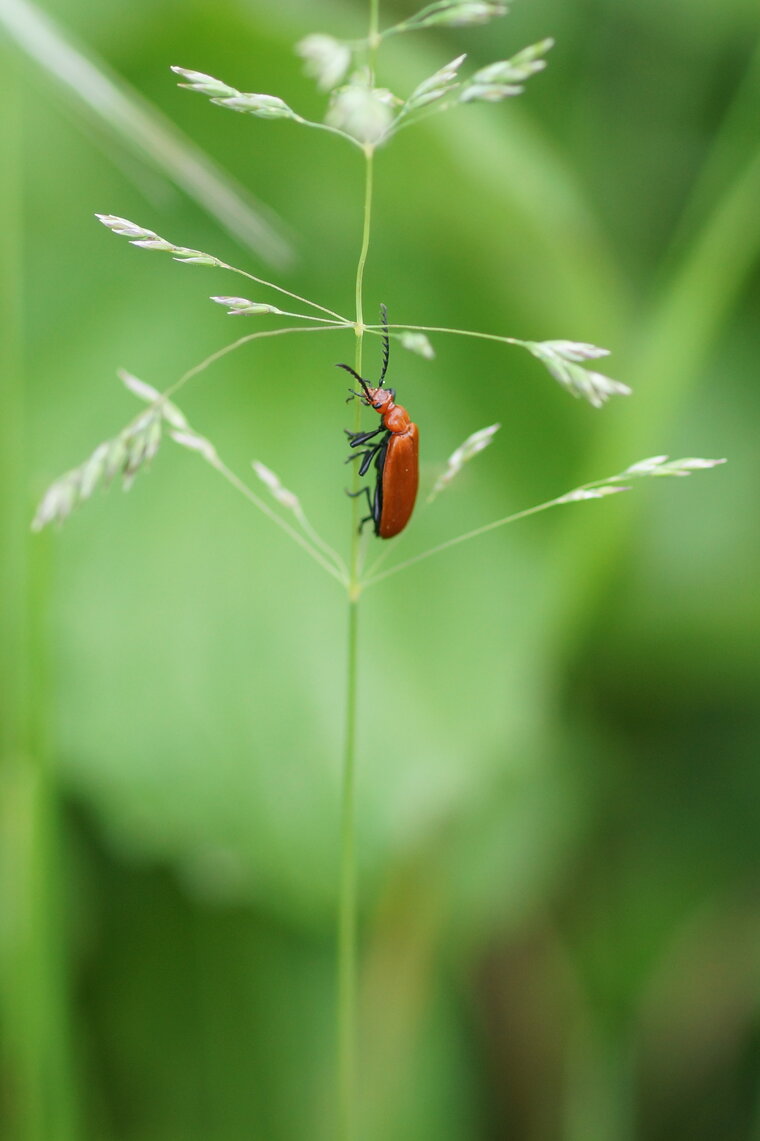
347 897
347 937
347 905
373 38
368 186
366 230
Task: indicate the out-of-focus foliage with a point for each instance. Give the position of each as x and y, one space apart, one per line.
559 726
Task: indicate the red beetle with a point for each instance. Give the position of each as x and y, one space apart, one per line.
395 455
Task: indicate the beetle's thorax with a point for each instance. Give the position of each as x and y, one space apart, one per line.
395 416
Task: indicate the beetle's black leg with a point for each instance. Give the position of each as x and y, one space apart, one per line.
369 455
366 458
358 438
362 491
377 505
380 451
376 452
373 452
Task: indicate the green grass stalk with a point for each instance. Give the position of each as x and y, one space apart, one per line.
347 908
36 1058
347 941
347 903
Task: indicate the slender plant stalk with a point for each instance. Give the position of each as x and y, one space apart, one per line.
347 924
347 904
286 293
457 332
347 896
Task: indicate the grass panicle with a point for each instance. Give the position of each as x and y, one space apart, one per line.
367 116
419 344
451 14
564 360
326 60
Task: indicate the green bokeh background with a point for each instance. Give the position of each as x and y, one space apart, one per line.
559 724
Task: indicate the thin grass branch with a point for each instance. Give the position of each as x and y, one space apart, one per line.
149 240
657 466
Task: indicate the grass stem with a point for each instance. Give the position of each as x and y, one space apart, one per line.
347 936
347 898
366 229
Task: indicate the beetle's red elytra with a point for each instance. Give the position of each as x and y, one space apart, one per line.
396 455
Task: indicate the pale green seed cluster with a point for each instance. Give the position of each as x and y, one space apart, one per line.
563 360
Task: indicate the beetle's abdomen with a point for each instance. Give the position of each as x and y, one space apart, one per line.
400 479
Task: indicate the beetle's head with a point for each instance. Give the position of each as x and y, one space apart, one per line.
379 398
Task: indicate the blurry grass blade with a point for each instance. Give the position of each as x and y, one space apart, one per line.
143 129
728 155
695 300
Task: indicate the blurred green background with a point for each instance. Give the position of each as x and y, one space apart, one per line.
559 725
